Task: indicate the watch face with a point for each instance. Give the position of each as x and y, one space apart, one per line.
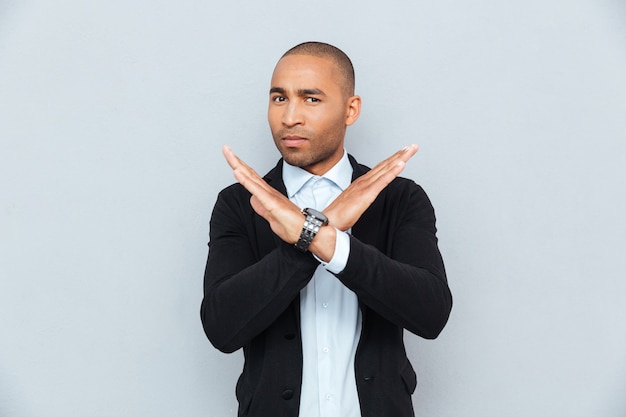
320 216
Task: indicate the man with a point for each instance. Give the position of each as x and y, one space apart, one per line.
316 268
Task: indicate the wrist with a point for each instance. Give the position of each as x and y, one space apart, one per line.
314 221
323 246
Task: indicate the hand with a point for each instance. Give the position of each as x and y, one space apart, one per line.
284 216
348 207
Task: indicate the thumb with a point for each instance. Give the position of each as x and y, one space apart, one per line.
258 207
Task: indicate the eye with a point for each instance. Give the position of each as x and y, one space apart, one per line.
312 100
279 99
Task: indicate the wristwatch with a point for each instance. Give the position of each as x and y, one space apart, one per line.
312 223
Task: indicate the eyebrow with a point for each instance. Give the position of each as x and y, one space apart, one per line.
301 92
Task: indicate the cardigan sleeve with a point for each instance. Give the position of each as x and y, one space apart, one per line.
245 287
399 272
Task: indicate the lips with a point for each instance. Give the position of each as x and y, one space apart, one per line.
293 141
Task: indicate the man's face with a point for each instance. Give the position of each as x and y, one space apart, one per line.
309 111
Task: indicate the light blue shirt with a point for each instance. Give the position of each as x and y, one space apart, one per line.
330 314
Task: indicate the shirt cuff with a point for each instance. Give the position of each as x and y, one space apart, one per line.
340 257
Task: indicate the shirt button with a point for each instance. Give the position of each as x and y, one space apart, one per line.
287 394
326 350
325 305
329 397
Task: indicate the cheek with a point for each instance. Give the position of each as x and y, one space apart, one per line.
329 122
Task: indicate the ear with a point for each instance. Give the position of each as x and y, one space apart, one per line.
353 109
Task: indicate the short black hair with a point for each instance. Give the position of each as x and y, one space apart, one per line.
324 50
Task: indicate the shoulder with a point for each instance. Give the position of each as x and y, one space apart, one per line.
405 194
232 193
403 185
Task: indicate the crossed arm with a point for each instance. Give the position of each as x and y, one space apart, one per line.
247 288
285 217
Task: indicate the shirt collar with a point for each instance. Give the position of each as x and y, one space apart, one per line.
295 177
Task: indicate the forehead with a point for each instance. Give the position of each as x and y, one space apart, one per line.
305 71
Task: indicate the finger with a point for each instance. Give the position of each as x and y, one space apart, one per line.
402 155
243 173
250 180
236 163
258 207
231 158
409 152
391 167
387 175
264 194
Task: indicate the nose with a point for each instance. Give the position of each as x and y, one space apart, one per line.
292 114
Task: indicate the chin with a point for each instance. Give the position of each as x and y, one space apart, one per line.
299 161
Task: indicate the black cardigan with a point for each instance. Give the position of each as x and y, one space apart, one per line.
253 280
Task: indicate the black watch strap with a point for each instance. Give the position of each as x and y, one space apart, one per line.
312 223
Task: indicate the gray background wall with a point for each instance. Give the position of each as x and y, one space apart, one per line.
112 115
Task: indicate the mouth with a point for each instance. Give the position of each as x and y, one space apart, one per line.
293 141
